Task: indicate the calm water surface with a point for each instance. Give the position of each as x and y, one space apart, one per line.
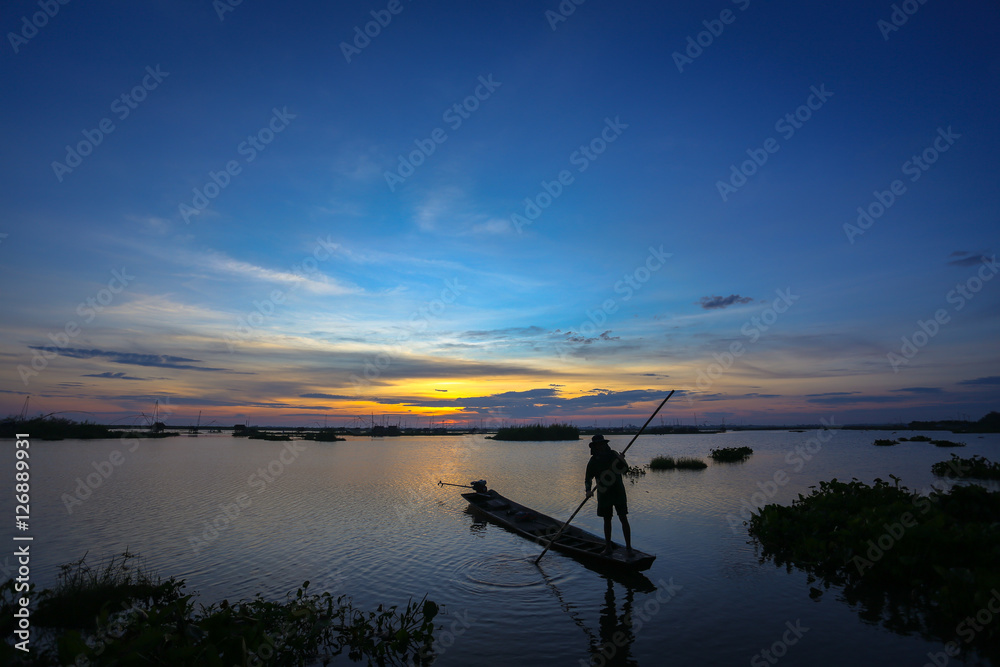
366 517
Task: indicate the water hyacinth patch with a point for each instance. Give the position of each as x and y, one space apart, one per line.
731 454
974 467
912 562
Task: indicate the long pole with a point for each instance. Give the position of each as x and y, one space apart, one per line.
580 507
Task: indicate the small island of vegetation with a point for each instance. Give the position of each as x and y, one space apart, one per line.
730 454
324 435
885 442
538 432
680 463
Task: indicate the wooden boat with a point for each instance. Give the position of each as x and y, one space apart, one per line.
540 528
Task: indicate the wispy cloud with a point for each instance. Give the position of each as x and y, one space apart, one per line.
113 376
966 258
991 380
316 282
713 302
134 359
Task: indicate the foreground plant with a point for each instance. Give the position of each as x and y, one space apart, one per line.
924 563
114 615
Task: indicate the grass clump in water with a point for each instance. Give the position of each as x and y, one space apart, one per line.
947 443
731 454
916 438
885 442
682 463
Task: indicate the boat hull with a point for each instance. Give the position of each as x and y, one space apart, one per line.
540 528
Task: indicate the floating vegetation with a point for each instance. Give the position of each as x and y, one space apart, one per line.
916 438
670 463
634 473
261 435
538 432
116 614
947 443
913 562
975 467
885 442
326 435
731 454
254 433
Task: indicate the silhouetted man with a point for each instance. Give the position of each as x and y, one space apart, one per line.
607 467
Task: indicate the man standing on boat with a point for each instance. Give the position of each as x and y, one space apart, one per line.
607 467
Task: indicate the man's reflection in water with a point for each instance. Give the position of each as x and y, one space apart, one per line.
616 631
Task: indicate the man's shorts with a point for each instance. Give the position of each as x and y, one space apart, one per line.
614 498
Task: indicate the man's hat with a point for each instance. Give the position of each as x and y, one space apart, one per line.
598 440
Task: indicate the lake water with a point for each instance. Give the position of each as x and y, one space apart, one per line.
366 517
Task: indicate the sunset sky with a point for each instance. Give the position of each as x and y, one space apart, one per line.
495 211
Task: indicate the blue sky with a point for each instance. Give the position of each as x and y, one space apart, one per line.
696 225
